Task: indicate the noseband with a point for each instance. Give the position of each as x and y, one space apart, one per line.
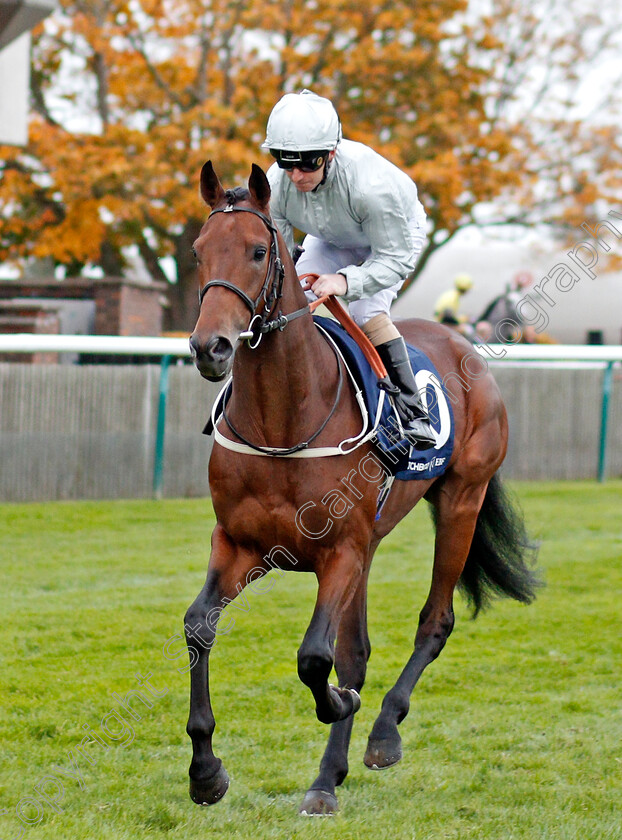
271 291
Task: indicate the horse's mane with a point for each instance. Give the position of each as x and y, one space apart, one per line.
236 195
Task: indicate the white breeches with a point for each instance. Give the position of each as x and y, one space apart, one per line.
320 257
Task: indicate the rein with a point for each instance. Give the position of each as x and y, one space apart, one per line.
271 293
276 451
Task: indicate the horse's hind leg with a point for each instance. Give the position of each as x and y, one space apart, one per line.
457 505
351 655
226 578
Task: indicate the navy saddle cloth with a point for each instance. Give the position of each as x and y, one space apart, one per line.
402 460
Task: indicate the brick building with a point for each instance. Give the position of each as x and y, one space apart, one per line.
110 306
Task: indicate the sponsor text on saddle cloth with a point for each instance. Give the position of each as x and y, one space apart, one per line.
399 458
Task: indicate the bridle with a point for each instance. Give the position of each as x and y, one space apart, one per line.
271 290
263 322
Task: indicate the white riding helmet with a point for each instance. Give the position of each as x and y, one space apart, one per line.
303 122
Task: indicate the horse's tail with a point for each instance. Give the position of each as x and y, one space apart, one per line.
502 558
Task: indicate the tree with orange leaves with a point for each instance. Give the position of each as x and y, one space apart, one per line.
130 98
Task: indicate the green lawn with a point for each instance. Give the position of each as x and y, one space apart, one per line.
515 732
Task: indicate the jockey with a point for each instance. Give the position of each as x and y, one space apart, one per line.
447 307
364 226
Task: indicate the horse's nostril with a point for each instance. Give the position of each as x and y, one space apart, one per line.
194 346
219 348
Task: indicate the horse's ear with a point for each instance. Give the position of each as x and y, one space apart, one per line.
259 187
212 192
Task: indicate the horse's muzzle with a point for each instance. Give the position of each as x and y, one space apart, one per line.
212 359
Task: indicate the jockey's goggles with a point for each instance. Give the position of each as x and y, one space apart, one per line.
305 161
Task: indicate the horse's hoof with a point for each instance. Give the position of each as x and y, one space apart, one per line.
347 700
356 700
209 791
319 803
383 753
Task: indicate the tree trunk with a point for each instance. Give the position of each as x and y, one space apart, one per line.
183 296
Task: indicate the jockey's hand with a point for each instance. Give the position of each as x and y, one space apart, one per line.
330 284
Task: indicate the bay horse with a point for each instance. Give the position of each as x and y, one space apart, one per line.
289 397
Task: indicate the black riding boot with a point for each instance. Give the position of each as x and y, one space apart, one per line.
413 415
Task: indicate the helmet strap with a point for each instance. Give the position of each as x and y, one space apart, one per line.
327 164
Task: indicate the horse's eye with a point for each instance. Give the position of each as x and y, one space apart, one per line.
194 254
260 253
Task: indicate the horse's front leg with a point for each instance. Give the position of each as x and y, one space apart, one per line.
226 577
352 652
338 579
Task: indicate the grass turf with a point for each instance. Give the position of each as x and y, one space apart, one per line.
514 732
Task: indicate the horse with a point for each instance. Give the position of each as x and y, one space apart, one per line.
290 400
